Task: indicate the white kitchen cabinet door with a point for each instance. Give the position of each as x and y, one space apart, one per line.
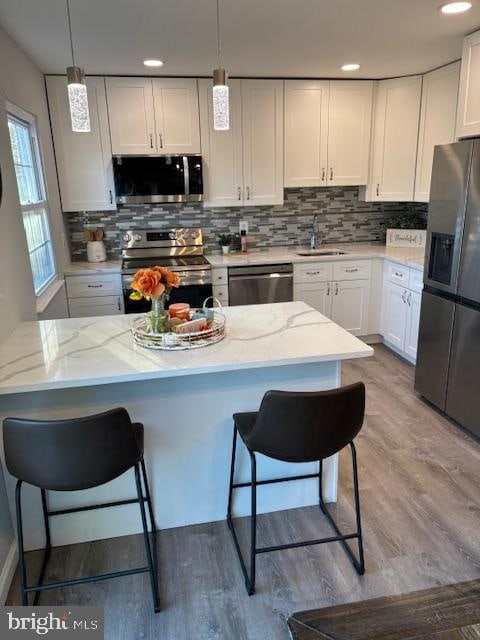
349 129
414 303
262 125
131 115
468 113
84 160
222 150
395 131
306 132
437 122
176 115
394 314
350 305
316 294
96 306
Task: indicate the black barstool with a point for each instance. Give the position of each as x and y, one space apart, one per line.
72 455
299 427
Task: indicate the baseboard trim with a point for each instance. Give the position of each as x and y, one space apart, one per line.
8 572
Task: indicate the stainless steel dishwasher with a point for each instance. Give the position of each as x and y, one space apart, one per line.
260 285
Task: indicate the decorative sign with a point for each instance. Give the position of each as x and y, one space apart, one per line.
406 238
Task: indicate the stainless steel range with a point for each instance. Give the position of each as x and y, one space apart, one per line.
180 250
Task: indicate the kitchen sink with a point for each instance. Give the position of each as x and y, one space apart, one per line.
321 252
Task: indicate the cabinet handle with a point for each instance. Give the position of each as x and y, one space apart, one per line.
351 270
398 275
328 289
151 141
119 304
331 173
336 288
239 193
409 299
111 196
404 297
312 273
94 286
323 174
160 137
248 193
378 188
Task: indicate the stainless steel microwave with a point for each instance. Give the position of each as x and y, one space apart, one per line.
145 179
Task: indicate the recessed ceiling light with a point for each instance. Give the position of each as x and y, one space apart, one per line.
455 7
153 63
351 67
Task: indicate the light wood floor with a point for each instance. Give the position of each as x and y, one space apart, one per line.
420 493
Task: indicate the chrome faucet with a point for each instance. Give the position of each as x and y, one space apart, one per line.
316 236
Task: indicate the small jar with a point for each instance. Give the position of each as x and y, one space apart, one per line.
179 310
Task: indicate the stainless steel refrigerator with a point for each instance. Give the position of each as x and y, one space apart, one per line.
448 361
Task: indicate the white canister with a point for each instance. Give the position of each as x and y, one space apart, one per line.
96 251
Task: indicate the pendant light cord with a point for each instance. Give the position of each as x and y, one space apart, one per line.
70 30
219 48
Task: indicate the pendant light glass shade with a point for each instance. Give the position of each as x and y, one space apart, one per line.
78 100
221 110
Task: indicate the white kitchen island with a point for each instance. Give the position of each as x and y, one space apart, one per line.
185 399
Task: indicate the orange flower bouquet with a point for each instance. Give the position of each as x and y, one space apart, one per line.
155 284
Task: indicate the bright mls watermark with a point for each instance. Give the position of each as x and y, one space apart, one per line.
58 622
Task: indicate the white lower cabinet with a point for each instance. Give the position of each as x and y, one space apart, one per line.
316 294
350 305
394 315
343 301
94 295
401 312
414 301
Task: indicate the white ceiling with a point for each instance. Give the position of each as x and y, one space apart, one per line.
282 38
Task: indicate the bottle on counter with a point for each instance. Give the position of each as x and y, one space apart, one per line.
243 241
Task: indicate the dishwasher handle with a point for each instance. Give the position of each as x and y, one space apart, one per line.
265 276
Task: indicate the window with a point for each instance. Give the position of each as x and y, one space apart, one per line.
33 199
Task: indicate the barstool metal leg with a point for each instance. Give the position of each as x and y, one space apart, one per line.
153 575
48 545
21 550
152 518
359 563
232 476
253 526
249 576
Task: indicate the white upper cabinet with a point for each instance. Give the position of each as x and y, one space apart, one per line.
131 115
395 135
468 113
84 160
222 150
437 122
349 128
158 115
306 130
176 115
327 132
262 126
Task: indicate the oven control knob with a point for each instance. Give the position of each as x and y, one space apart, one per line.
126 237
193 235
136 237
172 235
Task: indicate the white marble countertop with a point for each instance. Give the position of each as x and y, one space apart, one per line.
88 268
55 354
411 257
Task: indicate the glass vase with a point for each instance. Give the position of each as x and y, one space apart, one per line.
157 318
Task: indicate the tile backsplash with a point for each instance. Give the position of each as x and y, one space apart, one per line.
342 217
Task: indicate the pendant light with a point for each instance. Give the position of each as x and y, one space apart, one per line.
221 108
77 90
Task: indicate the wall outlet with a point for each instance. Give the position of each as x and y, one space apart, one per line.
243 226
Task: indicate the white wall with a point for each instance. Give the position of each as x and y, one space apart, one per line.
22 83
